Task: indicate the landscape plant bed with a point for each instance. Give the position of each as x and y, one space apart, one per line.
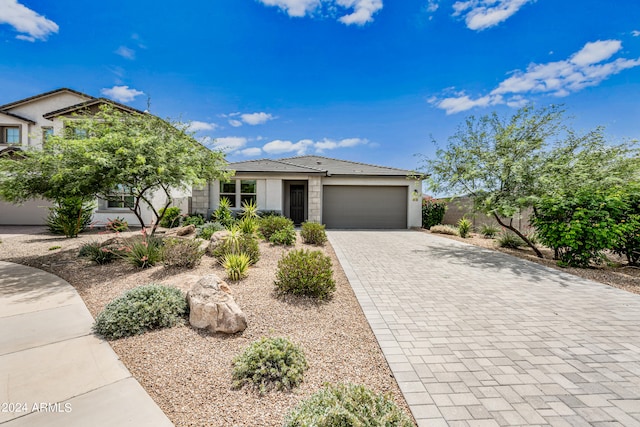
188 372
617 274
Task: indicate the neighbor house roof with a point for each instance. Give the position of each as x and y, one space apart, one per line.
43 95
344 167
15 116
271 166
90 103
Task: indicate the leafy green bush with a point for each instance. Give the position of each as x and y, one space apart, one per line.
248 225
140 310
268 213
96 252
206 230
444 229
489 231
195 219
432 212
313 233
223 213
286 236
270 363
236 265
347 405
249 209
510 240
309 273
171 218
117 225
70 216
181 253
143 252
464 227
271 224
237 243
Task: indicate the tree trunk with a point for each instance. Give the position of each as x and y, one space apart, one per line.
519 234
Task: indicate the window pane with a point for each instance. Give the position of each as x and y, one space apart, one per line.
231 198
247 198
46 133
115 204
228 187
248 186
128 201
13 135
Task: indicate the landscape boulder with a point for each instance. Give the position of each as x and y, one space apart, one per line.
213 308
186 230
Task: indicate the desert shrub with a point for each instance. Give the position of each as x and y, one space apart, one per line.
143 252
206 230
141 309
171 218
236 265
271 224
285 236
268 213
270 363
510 240
444 229
464 227
248 225
313 233
432 212
223 213
96 252
237 243
195 219
70 217
489 231
181 253
249 209
309 273
347 405
117 225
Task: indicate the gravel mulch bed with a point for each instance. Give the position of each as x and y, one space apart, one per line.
188 372
616 274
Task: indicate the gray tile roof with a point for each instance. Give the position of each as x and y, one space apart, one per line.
267 165
344 167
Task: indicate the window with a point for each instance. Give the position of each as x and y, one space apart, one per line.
247 191
46 133
228 190
239 191
120 199
12 135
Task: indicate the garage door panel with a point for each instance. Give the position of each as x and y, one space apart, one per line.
372 207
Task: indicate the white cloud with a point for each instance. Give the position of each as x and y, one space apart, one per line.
125 52
256 118
229 143
301 147
33 25
235 123
251 152
197 126
432 6
585 68
483 14
121 93
362 10
329 144
635 33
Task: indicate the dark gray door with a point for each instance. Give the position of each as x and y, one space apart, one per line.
368 207
296 209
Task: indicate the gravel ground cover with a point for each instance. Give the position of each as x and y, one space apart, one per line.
188 372
616 274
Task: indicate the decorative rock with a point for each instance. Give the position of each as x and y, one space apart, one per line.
218 237
212 307
186 230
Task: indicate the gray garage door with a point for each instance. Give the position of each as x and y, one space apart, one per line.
346 206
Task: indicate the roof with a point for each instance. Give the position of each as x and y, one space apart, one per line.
43 95
89 103
317 164
15 116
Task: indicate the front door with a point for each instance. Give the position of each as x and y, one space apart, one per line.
296 209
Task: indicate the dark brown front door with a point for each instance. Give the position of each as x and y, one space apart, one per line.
297 204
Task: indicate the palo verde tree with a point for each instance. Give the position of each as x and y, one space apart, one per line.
138 155
497 162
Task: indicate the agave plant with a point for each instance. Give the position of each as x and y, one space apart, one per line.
250 209
236 265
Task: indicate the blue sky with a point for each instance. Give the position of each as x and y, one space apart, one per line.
362 80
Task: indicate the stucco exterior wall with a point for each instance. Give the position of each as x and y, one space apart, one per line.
33 212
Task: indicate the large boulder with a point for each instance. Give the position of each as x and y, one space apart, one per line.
213 308
186 230
216 239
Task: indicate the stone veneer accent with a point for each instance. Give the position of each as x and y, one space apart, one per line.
315 198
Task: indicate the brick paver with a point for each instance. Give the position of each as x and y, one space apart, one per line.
476 337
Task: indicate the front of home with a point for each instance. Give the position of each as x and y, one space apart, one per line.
339 193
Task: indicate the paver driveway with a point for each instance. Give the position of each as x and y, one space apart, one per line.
479 338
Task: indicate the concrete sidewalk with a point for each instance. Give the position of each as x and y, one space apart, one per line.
53 370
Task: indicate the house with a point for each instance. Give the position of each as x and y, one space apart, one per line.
338 193
26 123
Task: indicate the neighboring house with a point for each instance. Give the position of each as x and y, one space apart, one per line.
338 193
26 123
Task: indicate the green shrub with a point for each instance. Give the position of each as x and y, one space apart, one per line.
70 217
117 225
313 233
96 252
142 309
195 219
181 253
271 224
489 231
145 252
248 225
249 209
444 229
223 213
270 363
464 227
268 213
347 405
286 236
432 212
510 240
206 230
236 265
309 273
171 218
237 243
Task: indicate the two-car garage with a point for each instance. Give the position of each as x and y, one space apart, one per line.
364 207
